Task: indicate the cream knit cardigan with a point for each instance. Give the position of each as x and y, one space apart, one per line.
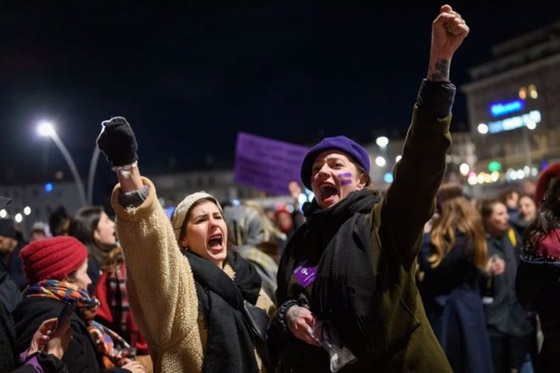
161 287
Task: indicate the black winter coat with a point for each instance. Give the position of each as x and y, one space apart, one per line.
81 356
8 356
451 297
505 314
538 289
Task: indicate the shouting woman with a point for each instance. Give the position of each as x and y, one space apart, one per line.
349 272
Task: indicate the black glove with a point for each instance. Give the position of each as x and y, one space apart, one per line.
117 142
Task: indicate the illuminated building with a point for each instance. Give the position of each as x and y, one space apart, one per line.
514 104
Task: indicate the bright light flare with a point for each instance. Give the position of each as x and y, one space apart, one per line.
45 129
382 141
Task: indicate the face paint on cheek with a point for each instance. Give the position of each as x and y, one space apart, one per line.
345 178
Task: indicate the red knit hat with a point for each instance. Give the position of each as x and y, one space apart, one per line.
52 258
543 183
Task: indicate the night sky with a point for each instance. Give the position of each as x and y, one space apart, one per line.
188 78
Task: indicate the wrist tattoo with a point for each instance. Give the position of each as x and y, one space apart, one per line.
440 71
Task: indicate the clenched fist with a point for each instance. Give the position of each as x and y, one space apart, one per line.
117 142
448 32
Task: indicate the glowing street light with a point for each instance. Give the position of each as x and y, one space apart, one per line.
18 218
46 129
27 210
382 142
380 161
464 169
531 124
3 213
482 128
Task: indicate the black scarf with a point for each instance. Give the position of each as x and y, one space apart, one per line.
229 346
344 290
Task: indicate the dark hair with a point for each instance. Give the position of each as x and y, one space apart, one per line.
58 222
487 209
183 232
362 170
547 218
83 226
507 194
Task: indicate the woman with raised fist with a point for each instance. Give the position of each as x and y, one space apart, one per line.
198 304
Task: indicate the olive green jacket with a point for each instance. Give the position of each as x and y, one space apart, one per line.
396 224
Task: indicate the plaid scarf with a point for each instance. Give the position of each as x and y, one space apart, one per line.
117 297
114 310
114 350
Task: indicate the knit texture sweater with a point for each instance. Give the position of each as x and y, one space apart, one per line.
161 286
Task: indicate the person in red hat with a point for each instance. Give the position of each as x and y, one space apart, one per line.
545 181
56 269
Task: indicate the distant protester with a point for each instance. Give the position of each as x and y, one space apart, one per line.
247 232
537 285
10 247
511 330
92 227
527 213
38 232
451 263
59 221
510 198
106 269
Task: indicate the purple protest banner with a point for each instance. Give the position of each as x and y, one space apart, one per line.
265 164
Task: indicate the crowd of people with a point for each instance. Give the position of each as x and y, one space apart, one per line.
419 277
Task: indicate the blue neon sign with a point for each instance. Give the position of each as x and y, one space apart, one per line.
501 108
508 124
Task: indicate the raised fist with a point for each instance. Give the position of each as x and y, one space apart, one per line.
117 142
448 32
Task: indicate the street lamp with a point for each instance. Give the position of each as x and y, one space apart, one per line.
91 175
382 142
482 128
46 129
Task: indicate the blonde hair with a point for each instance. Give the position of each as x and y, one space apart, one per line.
458 213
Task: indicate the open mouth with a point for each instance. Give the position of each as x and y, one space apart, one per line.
215 241
327 191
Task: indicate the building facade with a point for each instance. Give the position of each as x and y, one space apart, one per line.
513 109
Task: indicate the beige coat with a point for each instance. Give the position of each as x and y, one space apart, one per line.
161 286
